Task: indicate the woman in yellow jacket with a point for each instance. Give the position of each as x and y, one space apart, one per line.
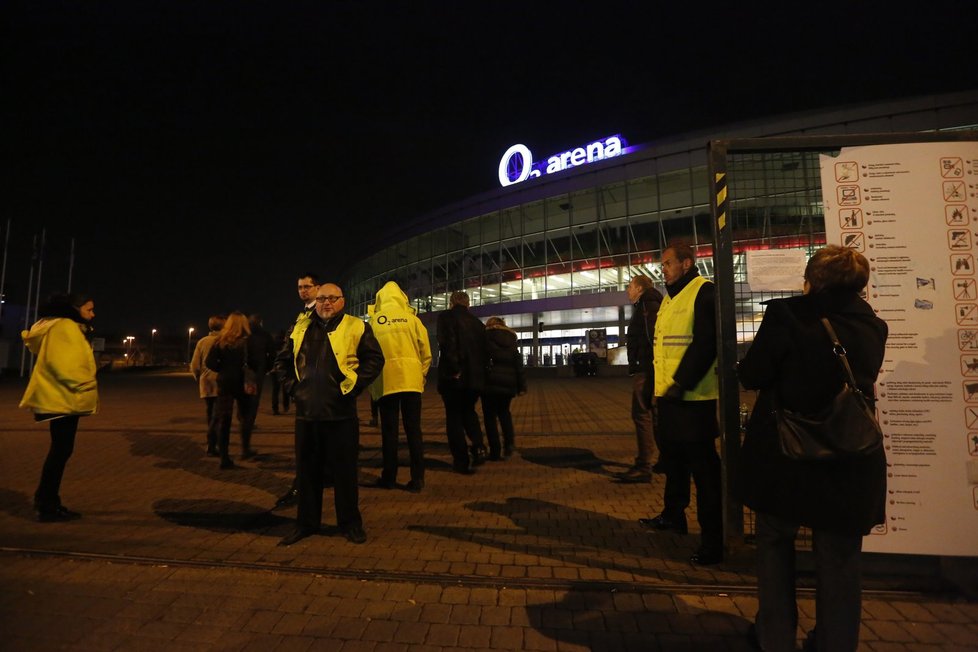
62 388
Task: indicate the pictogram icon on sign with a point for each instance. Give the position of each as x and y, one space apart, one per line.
967 339
956 214
952 168
846 171
966 314
971 418
973 444
969 365
851 218
954 191
848 195
974 497
959 239
855 240
962 265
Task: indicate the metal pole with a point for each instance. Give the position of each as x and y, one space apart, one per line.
27 311
3 270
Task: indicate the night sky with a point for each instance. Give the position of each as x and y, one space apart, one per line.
203 153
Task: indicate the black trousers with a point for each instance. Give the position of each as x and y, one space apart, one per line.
461 420
212 425
409 405
335 444
698 459
223 411
278 391
47 497
495 407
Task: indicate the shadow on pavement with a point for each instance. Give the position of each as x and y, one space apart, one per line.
576 536
17 503
581 459
597 620
218 515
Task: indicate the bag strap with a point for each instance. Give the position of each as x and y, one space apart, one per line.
840 353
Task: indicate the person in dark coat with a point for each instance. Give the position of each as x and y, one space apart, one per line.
791 360
462 359
265 343
227 357
641 330
505 379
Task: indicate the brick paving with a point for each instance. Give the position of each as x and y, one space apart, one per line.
540 552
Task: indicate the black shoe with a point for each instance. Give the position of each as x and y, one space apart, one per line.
213 452
464 470
381 483
249 453
662 522
415 486
508 452
355 534
478 455
227 463
59 513
296 535
635 475
703 557
290 498
494 456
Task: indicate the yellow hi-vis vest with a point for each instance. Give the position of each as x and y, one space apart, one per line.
673 335
344 342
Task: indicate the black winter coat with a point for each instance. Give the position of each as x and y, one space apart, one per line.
791 356
228 362
641 332
505 375
461 350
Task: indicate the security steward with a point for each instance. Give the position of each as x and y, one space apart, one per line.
332 359
685 360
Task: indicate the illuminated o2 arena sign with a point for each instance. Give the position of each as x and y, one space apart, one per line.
517 163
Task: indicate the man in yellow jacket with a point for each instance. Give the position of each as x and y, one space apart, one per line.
407 357
685 360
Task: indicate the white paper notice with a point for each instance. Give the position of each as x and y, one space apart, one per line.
911 209
776 270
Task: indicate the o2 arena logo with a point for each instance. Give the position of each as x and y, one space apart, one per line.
517 163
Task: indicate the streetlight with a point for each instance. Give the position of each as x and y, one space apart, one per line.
152 347
190 337
128 342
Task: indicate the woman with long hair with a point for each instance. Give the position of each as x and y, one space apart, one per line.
792 363
230 355
62 388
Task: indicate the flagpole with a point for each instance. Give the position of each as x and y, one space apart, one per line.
27 311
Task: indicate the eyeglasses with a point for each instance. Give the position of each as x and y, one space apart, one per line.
331 298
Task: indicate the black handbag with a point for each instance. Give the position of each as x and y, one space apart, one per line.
845 428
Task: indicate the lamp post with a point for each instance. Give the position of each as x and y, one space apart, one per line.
128 341
152 347
190 338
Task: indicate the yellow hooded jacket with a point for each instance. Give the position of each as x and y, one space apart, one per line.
63 380
404 341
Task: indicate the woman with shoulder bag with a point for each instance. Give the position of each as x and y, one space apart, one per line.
62 388
793 364
234 357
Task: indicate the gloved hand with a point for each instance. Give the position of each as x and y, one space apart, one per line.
674 393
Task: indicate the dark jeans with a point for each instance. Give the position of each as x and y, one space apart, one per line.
47 497
223 413
335 444
698 459
212 424
495 407
461 420
255 400
642 416
409 404
838 597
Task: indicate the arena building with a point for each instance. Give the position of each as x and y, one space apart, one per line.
553 247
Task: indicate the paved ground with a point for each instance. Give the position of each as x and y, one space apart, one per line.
541 552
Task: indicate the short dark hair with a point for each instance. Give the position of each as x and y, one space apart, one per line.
216 322
683 251
837 268
642 281
458 298
312 276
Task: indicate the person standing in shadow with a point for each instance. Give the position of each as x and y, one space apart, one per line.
207 379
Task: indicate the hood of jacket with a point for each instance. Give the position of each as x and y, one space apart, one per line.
390 298
37 333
